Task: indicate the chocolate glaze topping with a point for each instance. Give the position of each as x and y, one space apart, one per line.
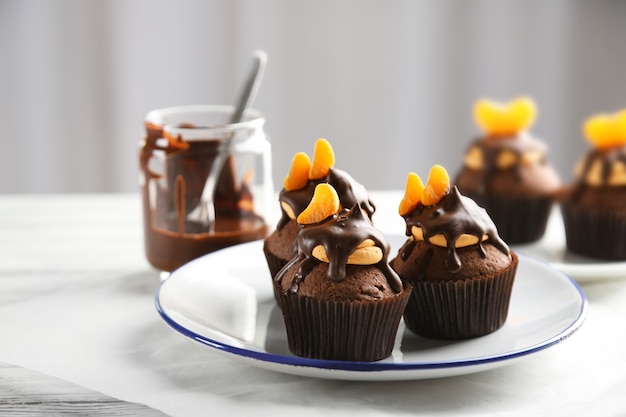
607 159
453 216
492 148
340 235
350 193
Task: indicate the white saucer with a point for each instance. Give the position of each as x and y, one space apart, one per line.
552 249
225 301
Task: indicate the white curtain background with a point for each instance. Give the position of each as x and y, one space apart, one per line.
391 84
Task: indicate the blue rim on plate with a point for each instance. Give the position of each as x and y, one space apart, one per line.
248 350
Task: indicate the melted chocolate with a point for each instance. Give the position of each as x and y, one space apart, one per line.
492 148
607 159
350 193
171 238
340 235
453 216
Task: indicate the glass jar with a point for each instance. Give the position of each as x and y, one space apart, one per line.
176 156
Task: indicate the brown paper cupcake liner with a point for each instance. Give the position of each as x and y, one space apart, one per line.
342 330
460 309
595 232
274 263
518 220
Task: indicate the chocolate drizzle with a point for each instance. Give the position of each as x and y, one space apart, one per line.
171 237
340 235
607 159
350 193
452 217
491 149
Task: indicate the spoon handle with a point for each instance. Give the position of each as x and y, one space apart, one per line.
252 86
207 200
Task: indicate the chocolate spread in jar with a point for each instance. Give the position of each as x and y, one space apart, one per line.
174 173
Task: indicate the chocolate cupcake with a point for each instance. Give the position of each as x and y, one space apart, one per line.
461 271
339 297
506 171
594 206
298 187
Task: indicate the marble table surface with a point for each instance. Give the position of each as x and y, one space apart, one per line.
77 314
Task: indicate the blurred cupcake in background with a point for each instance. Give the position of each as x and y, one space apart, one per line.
594 205
506 170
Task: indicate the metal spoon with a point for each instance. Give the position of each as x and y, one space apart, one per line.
205 212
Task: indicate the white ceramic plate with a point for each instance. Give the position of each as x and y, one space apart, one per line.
552 249
225 300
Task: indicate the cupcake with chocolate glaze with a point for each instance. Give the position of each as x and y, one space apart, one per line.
594 206
461 271
298 187
506 171
339 297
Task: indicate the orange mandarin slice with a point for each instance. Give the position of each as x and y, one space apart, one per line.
325 203
506 119
298 175
412 193
323 159
606 131
437 186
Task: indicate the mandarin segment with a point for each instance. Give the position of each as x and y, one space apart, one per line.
437 186
595 129
498 119
485 115
323 159
325 203
523 112
298 175
606 131
412 193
